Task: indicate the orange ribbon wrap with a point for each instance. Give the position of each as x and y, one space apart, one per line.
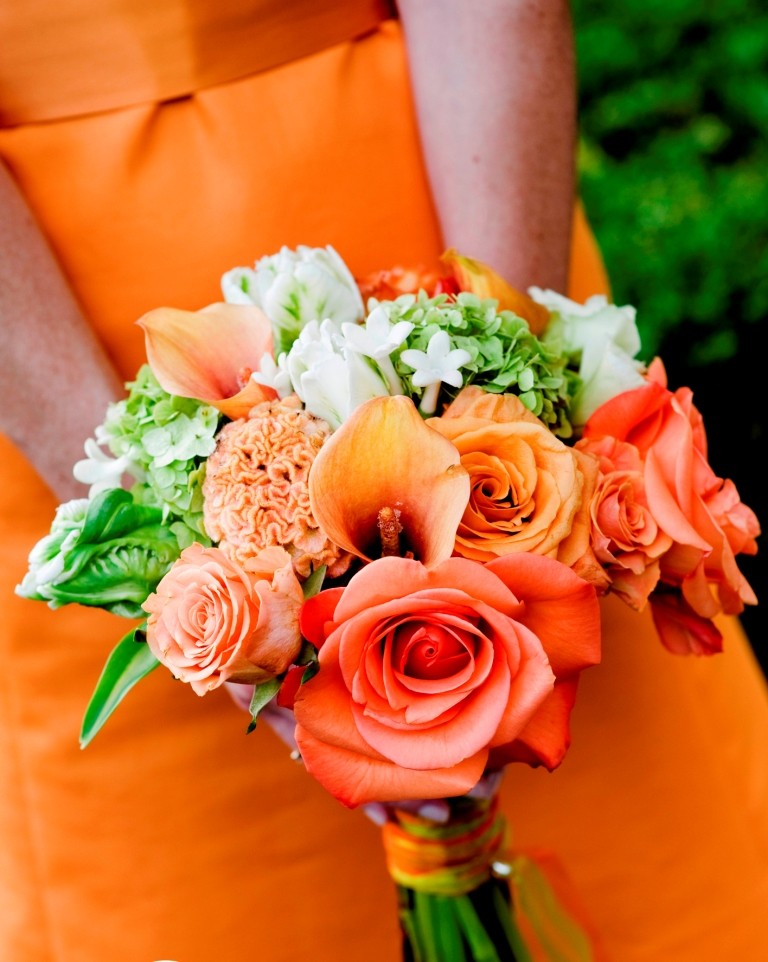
450 859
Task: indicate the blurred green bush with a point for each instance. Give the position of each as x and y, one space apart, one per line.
674 164
673 167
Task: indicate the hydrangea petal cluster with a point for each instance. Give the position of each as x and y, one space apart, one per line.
256 487
159 439
504 356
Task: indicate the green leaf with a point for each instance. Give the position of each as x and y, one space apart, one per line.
314 582
307 655
262 696
129 662
312 669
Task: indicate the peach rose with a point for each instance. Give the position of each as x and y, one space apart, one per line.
626 539
700 512
430 675
528 491
213 620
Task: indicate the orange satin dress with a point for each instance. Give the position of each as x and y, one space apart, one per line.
160 144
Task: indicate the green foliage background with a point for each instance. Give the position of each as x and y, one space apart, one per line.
673 166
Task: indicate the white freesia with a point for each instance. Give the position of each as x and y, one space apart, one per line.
602 339
439 363
377 339
274 374
101 471
294 287
329 378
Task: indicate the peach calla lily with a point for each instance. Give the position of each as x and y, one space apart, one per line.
385 457
478 278
210 354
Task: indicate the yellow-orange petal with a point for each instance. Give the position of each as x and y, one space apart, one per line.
480 279
204 354
386 456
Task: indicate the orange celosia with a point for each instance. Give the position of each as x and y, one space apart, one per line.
255 490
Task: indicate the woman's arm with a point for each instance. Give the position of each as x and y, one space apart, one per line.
494 84
55 378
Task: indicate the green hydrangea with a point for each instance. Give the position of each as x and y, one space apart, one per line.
167 439
505 357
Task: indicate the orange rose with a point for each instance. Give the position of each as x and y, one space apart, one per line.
626 539
700 512
428 675
389 284
212 619
528 490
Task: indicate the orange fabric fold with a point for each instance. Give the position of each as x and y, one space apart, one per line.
91 57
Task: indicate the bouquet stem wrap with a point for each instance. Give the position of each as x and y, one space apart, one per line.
462 897
454 905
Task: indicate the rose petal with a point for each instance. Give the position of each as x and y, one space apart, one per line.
560 608
546 737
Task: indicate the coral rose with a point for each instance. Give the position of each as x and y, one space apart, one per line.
430 675
213 620
700 512
626 539
528 490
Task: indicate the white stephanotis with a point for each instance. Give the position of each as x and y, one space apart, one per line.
377 339
328 377
294 287
101 471
439 363
602 339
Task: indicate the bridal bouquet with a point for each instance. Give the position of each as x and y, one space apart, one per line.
389 505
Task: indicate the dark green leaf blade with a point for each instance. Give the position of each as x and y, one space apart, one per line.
130 661
262 696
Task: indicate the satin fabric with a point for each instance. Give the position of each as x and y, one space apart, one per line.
176 836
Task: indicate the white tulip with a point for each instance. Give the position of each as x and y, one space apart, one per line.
294 287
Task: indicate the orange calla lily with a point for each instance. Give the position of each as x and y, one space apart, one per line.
385 457
210 354
478 278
